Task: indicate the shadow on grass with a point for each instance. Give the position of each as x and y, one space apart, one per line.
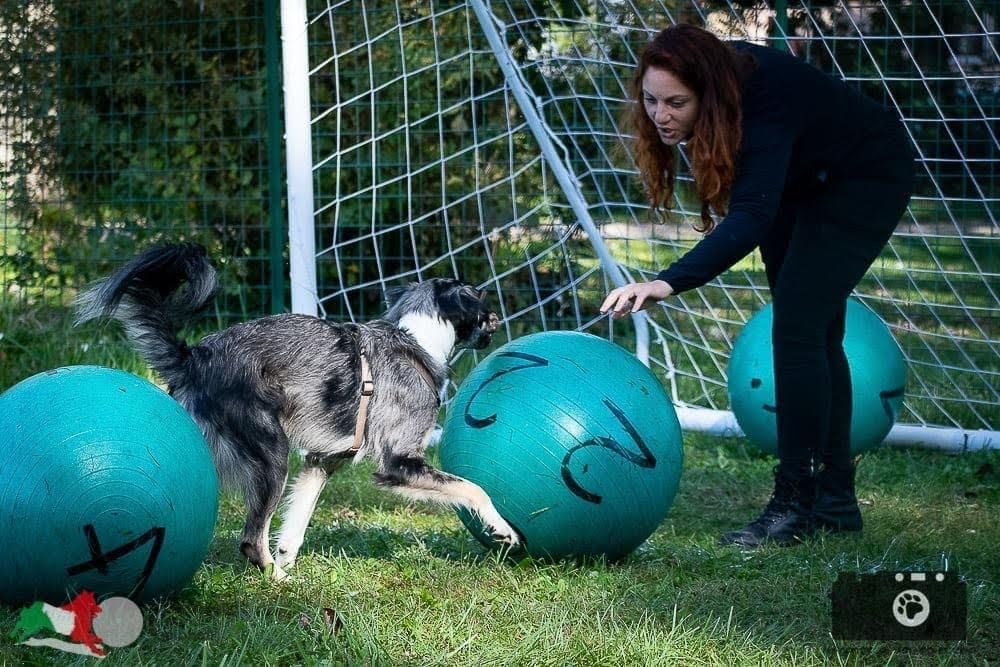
923 510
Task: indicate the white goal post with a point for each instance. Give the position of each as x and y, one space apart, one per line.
484 140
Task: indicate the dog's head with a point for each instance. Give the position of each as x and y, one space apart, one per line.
457 307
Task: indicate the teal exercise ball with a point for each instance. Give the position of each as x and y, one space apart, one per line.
106 485
878 379
572 438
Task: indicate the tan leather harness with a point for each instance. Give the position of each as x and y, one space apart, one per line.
367 390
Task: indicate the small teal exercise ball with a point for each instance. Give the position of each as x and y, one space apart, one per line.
106 485
878 379
572 438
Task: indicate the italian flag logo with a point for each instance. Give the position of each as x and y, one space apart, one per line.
87 625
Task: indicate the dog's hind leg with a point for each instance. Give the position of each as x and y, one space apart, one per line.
410 476
300 504
262 502
268 474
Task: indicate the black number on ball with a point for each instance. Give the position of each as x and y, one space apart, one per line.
483 422
644 460
100 559
885 396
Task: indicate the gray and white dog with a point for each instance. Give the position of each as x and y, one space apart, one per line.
261 388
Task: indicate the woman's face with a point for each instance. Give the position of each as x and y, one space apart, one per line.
672 106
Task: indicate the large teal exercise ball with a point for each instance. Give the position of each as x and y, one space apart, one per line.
106 485
572 438
878 379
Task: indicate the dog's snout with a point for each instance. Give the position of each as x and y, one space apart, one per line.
492 322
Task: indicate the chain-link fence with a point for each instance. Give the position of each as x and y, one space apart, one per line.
127 122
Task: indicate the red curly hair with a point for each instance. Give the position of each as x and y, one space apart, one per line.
715 73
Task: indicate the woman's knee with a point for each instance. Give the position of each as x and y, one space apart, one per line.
796 322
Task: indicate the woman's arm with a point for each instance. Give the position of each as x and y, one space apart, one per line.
761 172
753 206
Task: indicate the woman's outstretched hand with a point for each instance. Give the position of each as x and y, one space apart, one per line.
635 297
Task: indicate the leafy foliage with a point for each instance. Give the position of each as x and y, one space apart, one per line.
141 120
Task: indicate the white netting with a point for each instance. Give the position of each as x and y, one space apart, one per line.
424 164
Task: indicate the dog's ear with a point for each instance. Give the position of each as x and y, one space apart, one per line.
392 296
473 292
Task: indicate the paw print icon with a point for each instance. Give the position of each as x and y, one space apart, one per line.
911 608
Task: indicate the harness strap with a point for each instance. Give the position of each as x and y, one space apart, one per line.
426 375
367 389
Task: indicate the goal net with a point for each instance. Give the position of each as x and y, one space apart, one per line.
484 139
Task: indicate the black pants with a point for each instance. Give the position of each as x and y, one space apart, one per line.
817 252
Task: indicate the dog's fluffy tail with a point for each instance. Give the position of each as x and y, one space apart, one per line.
152 296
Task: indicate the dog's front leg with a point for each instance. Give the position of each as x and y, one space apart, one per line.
300 505
410 476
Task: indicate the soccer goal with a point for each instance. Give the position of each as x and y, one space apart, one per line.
484 139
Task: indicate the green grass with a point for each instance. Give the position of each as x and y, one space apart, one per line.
407 585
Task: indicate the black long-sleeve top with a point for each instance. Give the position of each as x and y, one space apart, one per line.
801 128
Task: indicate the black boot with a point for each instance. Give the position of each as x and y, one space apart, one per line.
787 518
836 507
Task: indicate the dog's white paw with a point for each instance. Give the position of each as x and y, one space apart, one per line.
274 572
497 527
503 533
285 557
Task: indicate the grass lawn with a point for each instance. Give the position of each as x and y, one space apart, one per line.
383 581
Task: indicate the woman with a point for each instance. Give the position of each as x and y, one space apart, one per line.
816 176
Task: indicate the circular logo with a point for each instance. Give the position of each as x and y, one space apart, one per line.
119 622
911 608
